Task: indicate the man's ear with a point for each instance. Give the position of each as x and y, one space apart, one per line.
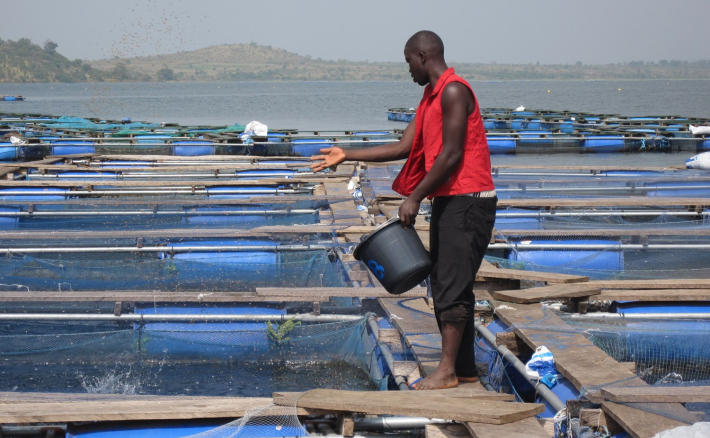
422 57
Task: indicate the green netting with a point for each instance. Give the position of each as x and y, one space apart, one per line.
67 122
232 128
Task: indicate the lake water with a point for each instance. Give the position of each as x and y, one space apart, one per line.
355 105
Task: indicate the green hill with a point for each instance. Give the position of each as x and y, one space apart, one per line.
244 62
23 61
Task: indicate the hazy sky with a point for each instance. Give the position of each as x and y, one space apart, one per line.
504 31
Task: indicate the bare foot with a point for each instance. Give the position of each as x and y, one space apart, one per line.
436 381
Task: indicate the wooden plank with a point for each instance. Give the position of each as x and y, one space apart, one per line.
190 201
694 283
446 431
650 394
410 316
345 212
581 362
639 423
175 232
525 428
5 170
538 294
576 358
325 292
163 408
198 183
155 297
486 273
411 403
654 295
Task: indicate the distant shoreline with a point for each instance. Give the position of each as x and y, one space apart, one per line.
24 62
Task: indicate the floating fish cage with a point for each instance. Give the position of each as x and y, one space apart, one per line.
169 264
208 350
609 255
522 183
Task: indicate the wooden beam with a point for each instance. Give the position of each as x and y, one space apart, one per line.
115 408
525 428
411 403
547 293
639 423
651 295
692 283
650 394
326 292
516 274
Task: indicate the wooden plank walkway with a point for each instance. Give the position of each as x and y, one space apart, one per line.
66 408
538 294
344 212
588 367
261 295
486 274
526 428
696 283
411 403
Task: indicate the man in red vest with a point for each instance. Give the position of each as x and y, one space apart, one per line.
447 161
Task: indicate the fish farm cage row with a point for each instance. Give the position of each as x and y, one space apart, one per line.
40 136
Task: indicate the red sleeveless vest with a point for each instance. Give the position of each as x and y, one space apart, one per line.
474 171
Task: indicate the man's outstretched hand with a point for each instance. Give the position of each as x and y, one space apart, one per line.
408 211
331 157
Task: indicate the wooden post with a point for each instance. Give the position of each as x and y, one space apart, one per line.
347 424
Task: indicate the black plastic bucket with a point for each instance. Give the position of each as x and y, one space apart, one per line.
395 256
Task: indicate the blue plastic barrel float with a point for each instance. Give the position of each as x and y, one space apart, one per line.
704 145
32 194
214 268
604 143
180 429
679 189
501 145
518 223
218 340
71 147
115 164
8 222
192 148
266 173
308 147
8 152
211 216
496 124
80 175
240 192
597 263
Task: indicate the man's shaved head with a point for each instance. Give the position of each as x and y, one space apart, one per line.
426 41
